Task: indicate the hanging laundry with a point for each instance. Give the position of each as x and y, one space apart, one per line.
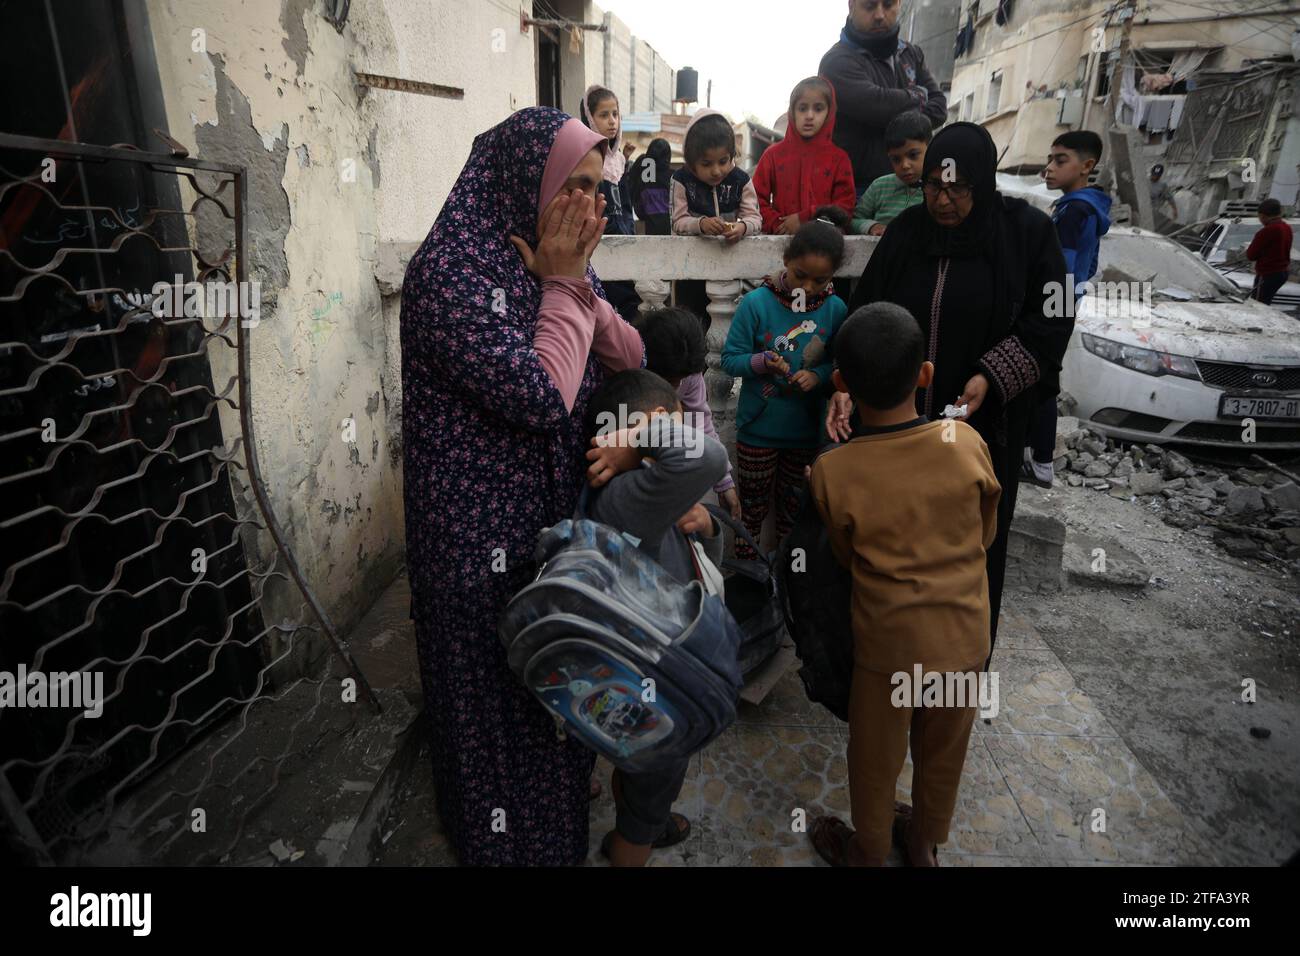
965 38
1004 13
1155 82
1159 110
575 40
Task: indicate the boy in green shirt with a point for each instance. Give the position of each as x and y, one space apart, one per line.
906 138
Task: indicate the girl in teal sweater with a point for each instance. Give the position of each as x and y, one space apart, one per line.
778 344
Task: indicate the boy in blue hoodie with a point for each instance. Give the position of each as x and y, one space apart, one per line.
1082 217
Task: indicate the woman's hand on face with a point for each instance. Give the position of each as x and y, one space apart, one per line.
837 416
973 395
612 455
805 380
567 236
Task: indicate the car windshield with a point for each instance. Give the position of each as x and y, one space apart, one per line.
1239 235
1174 272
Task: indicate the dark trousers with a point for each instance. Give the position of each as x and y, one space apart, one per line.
1266 286
647 802
1042 431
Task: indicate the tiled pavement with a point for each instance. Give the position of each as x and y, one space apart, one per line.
1033 779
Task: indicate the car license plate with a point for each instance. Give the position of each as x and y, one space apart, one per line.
1240 406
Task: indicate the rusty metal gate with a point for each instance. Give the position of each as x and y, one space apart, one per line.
138 550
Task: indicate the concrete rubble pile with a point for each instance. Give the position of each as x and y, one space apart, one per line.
1249 512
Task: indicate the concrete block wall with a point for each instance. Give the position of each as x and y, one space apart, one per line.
577 72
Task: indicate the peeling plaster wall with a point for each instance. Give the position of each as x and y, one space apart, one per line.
420 143
417 144
270 87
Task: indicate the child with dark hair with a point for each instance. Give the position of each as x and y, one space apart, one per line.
599 111
1082 214
835 215
675 349
711 195
779 345
906 139
646 183
910 507
647 480
1081 217
805 170
1270 250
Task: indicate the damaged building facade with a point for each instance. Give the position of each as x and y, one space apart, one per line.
1205 90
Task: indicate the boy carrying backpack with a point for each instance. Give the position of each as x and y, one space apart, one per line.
648 478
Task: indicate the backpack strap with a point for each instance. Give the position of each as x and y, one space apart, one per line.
584 502
761 570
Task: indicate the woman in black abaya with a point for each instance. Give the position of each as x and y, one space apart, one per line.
978 271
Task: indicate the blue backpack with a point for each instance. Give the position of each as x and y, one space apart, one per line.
638 667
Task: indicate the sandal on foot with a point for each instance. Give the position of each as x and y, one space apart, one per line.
899 834
830 837
677 829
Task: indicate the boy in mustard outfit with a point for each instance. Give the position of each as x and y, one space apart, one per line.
910 507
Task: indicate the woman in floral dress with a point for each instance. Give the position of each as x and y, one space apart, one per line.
505 334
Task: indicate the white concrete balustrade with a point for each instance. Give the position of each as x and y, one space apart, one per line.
652 262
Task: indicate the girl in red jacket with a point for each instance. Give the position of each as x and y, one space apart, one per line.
805 170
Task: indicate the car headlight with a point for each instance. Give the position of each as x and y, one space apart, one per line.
1146 361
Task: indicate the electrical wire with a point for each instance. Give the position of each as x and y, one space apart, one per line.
1245 14
1239 43
1019 110
1248 13
1031 39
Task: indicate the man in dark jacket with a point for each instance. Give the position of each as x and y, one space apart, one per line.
876 76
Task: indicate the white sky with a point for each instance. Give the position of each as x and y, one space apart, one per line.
755 51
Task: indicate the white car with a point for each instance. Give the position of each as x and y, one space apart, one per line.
1190 363
1234 234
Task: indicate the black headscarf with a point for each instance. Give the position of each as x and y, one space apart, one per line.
658 158
975 159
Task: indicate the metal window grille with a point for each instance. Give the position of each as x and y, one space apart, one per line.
137 539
